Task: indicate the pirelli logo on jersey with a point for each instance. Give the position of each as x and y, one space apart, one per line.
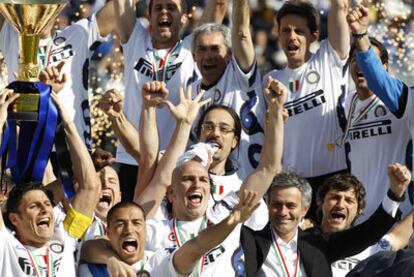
305 103
370 129
145 68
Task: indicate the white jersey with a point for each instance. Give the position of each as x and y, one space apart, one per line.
373 134
241 92
96 230
71 45
223 185
139 68
18 260
223 260
313 126
341 267
220 187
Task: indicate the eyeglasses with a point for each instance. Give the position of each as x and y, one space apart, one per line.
223 128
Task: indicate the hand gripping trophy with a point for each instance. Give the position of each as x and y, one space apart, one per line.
37 115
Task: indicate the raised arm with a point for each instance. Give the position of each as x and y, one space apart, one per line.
106 19
111 104
271 155
387 88
125 18
401 233
153 93
87 195
184 113
338 31
214 11
187 256
6 98
241 38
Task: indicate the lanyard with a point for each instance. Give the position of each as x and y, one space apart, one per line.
48 260
102 228
139 273
180 241
162 65
374 102
43 58
280 258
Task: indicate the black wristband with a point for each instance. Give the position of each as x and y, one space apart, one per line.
391 195
359 36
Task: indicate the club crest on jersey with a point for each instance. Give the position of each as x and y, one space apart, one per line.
380 111
313 77
171 236
56 247
59 40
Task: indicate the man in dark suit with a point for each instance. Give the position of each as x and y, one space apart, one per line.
282 249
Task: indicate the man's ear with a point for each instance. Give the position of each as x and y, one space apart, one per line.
13 218
314 36
184 19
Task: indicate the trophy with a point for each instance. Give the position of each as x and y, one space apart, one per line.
34 109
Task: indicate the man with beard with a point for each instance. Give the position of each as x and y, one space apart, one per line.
40 240
341 200
155 55
190 184
316 84
281 248
371 129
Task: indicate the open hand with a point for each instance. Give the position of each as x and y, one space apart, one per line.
187 110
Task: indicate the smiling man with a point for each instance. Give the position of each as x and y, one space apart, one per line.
230 77
316 82
282 249
154 54
40 240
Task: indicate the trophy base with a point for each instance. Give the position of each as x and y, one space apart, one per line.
27 105
23 116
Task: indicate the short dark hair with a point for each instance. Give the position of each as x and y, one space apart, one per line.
184 6
16 195
121 205
384 56
291 179
303 9
341 182
233 114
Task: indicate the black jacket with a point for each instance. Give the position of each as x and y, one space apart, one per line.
317 249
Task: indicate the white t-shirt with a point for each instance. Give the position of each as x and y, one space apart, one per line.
313 126
73 46
223 260
15 260
139 65
341 267
241 92
222 185
373 147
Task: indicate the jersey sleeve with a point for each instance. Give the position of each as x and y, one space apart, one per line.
392 92
137 36
91 27
247 80
332 55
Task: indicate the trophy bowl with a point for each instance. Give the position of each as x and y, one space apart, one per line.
29 18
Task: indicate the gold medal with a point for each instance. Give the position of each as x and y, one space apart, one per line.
330 146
